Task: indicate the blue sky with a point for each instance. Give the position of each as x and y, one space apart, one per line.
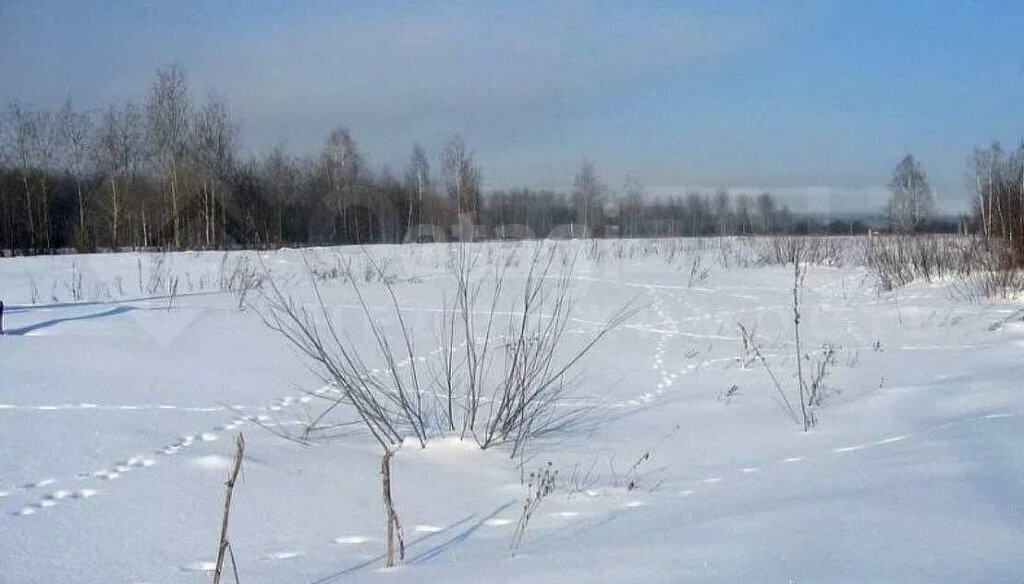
814 100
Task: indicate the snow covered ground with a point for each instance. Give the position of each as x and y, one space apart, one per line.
119 403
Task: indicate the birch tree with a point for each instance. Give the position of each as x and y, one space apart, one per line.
167 116
121 145
910 204
417 180
462 178
77 135
587 191
213 148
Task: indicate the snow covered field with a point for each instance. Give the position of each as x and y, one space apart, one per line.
121 392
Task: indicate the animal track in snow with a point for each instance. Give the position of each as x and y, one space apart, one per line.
850 448
352 540
117 407
427 529
564 514
284 555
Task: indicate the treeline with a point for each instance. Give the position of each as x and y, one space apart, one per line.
999 204
167 173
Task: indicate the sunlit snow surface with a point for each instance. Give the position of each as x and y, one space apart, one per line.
118 408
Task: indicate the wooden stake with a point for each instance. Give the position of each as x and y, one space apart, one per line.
394 528
224 546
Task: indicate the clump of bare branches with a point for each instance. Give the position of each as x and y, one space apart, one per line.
240 277
980 268
810 385
520 377
819 375
698 271
540 484
786 250
391 408
583 478
799 273
495 389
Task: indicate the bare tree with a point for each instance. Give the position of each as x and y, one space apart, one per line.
634 192
766 212
343 170
282 176
983 169
723 212
167 115
121 145
999 180
587 191
699 214
77 135
911 202
213 137
7 204
417 180
462 178
743 207
33 142
22 132
343 161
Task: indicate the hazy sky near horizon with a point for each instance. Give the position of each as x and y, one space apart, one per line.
815 100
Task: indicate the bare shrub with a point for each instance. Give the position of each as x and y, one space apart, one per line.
391 408
240 277
979 269
498 390
1004 283
785 250
698 271
810 385
899 260
799 273
540 485
822 366
520 376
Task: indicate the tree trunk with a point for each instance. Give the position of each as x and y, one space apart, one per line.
46 211
394 528
28 210
116 211
174 204
81 217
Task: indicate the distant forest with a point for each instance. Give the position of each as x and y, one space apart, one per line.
167 174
